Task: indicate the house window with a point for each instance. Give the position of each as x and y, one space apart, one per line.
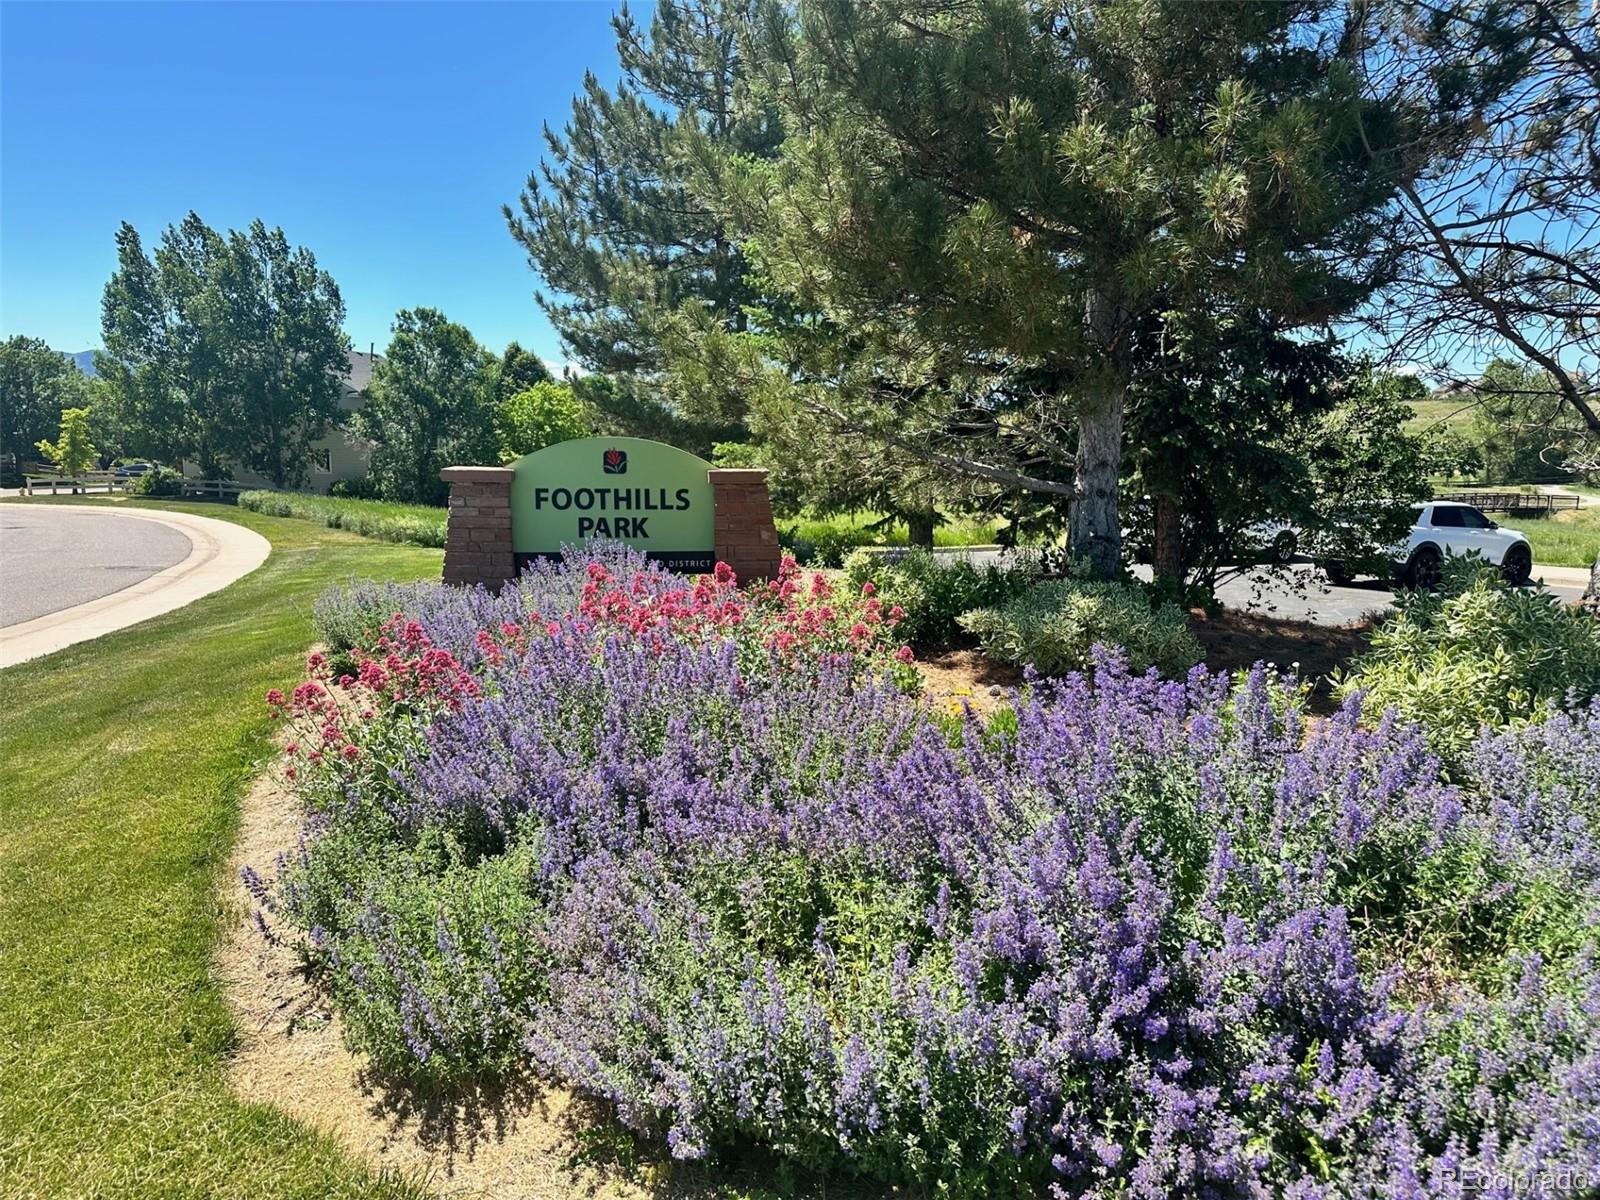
322 459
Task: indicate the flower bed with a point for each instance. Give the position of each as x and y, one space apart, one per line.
1148 938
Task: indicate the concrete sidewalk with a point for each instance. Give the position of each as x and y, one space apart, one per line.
221 553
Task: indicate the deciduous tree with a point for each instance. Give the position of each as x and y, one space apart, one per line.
224 349
539 416
36 383
72 452
1498 235
431 406
519 370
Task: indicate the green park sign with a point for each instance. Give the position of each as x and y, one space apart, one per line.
652 496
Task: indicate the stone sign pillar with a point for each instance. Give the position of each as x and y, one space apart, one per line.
477 545
745 536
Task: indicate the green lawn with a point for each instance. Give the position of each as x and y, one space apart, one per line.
124 762
1565 539
1449 414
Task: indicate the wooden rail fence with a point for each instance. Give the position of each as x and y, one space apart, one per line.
75 484
1529 503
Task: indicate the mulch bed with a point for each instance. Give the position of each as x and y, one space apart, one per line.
1233 640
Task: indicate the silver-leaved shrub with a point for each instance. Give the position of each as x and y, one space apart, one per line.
1054 627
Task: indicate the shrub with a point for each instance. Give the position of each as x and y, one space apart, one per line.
417 524
1145 938
1477 653
159 481
828 541
362 487
1055 625
540 416
822 543
934 591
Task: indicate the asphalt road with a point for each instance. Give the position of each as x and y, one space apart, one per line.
51 560
1302 594
1306 596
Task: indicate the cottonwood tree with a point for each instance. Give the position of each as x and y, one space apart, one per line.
289 354
224 348
36 383
1498 235
978 201
431 406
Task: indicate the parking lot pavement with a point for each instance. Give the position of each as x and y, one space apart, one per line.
1301 593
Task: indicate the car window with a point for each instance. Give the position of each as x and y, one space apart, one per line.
1473 519
1445 517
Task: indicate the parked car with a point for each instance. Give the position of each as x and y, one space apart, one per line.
132 470
1448 528
1273 541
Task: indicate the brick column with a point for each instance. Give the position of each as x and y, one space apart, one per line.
477 544
744 535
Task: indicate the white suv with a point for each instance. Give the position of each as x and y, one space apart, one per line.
1448 528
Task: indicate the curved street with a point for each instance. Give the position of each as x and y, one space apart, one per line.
52 559
69 573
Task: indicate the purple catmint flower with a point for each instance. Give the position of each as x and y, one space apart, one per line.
1167 938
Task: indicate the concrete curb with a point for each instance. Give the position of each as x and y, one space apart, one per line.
1577 577
220 553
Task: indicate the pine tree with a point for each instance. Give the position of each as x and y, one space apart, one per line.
982 201
608 220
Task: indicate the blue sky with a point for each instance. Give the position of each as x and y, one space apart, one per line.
384 137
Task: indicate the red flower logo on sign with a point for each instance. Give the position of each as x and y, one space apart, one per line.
614 461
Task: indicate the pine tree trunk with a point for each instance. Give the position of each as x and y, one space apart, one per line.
919 529
1168 562
1093 530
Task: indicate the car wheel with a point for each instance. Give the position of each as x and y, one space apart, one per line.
1284 546
1422 572
1338 573
1516 568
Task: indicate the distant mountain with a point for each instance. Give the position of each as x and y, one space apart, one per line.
84 361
